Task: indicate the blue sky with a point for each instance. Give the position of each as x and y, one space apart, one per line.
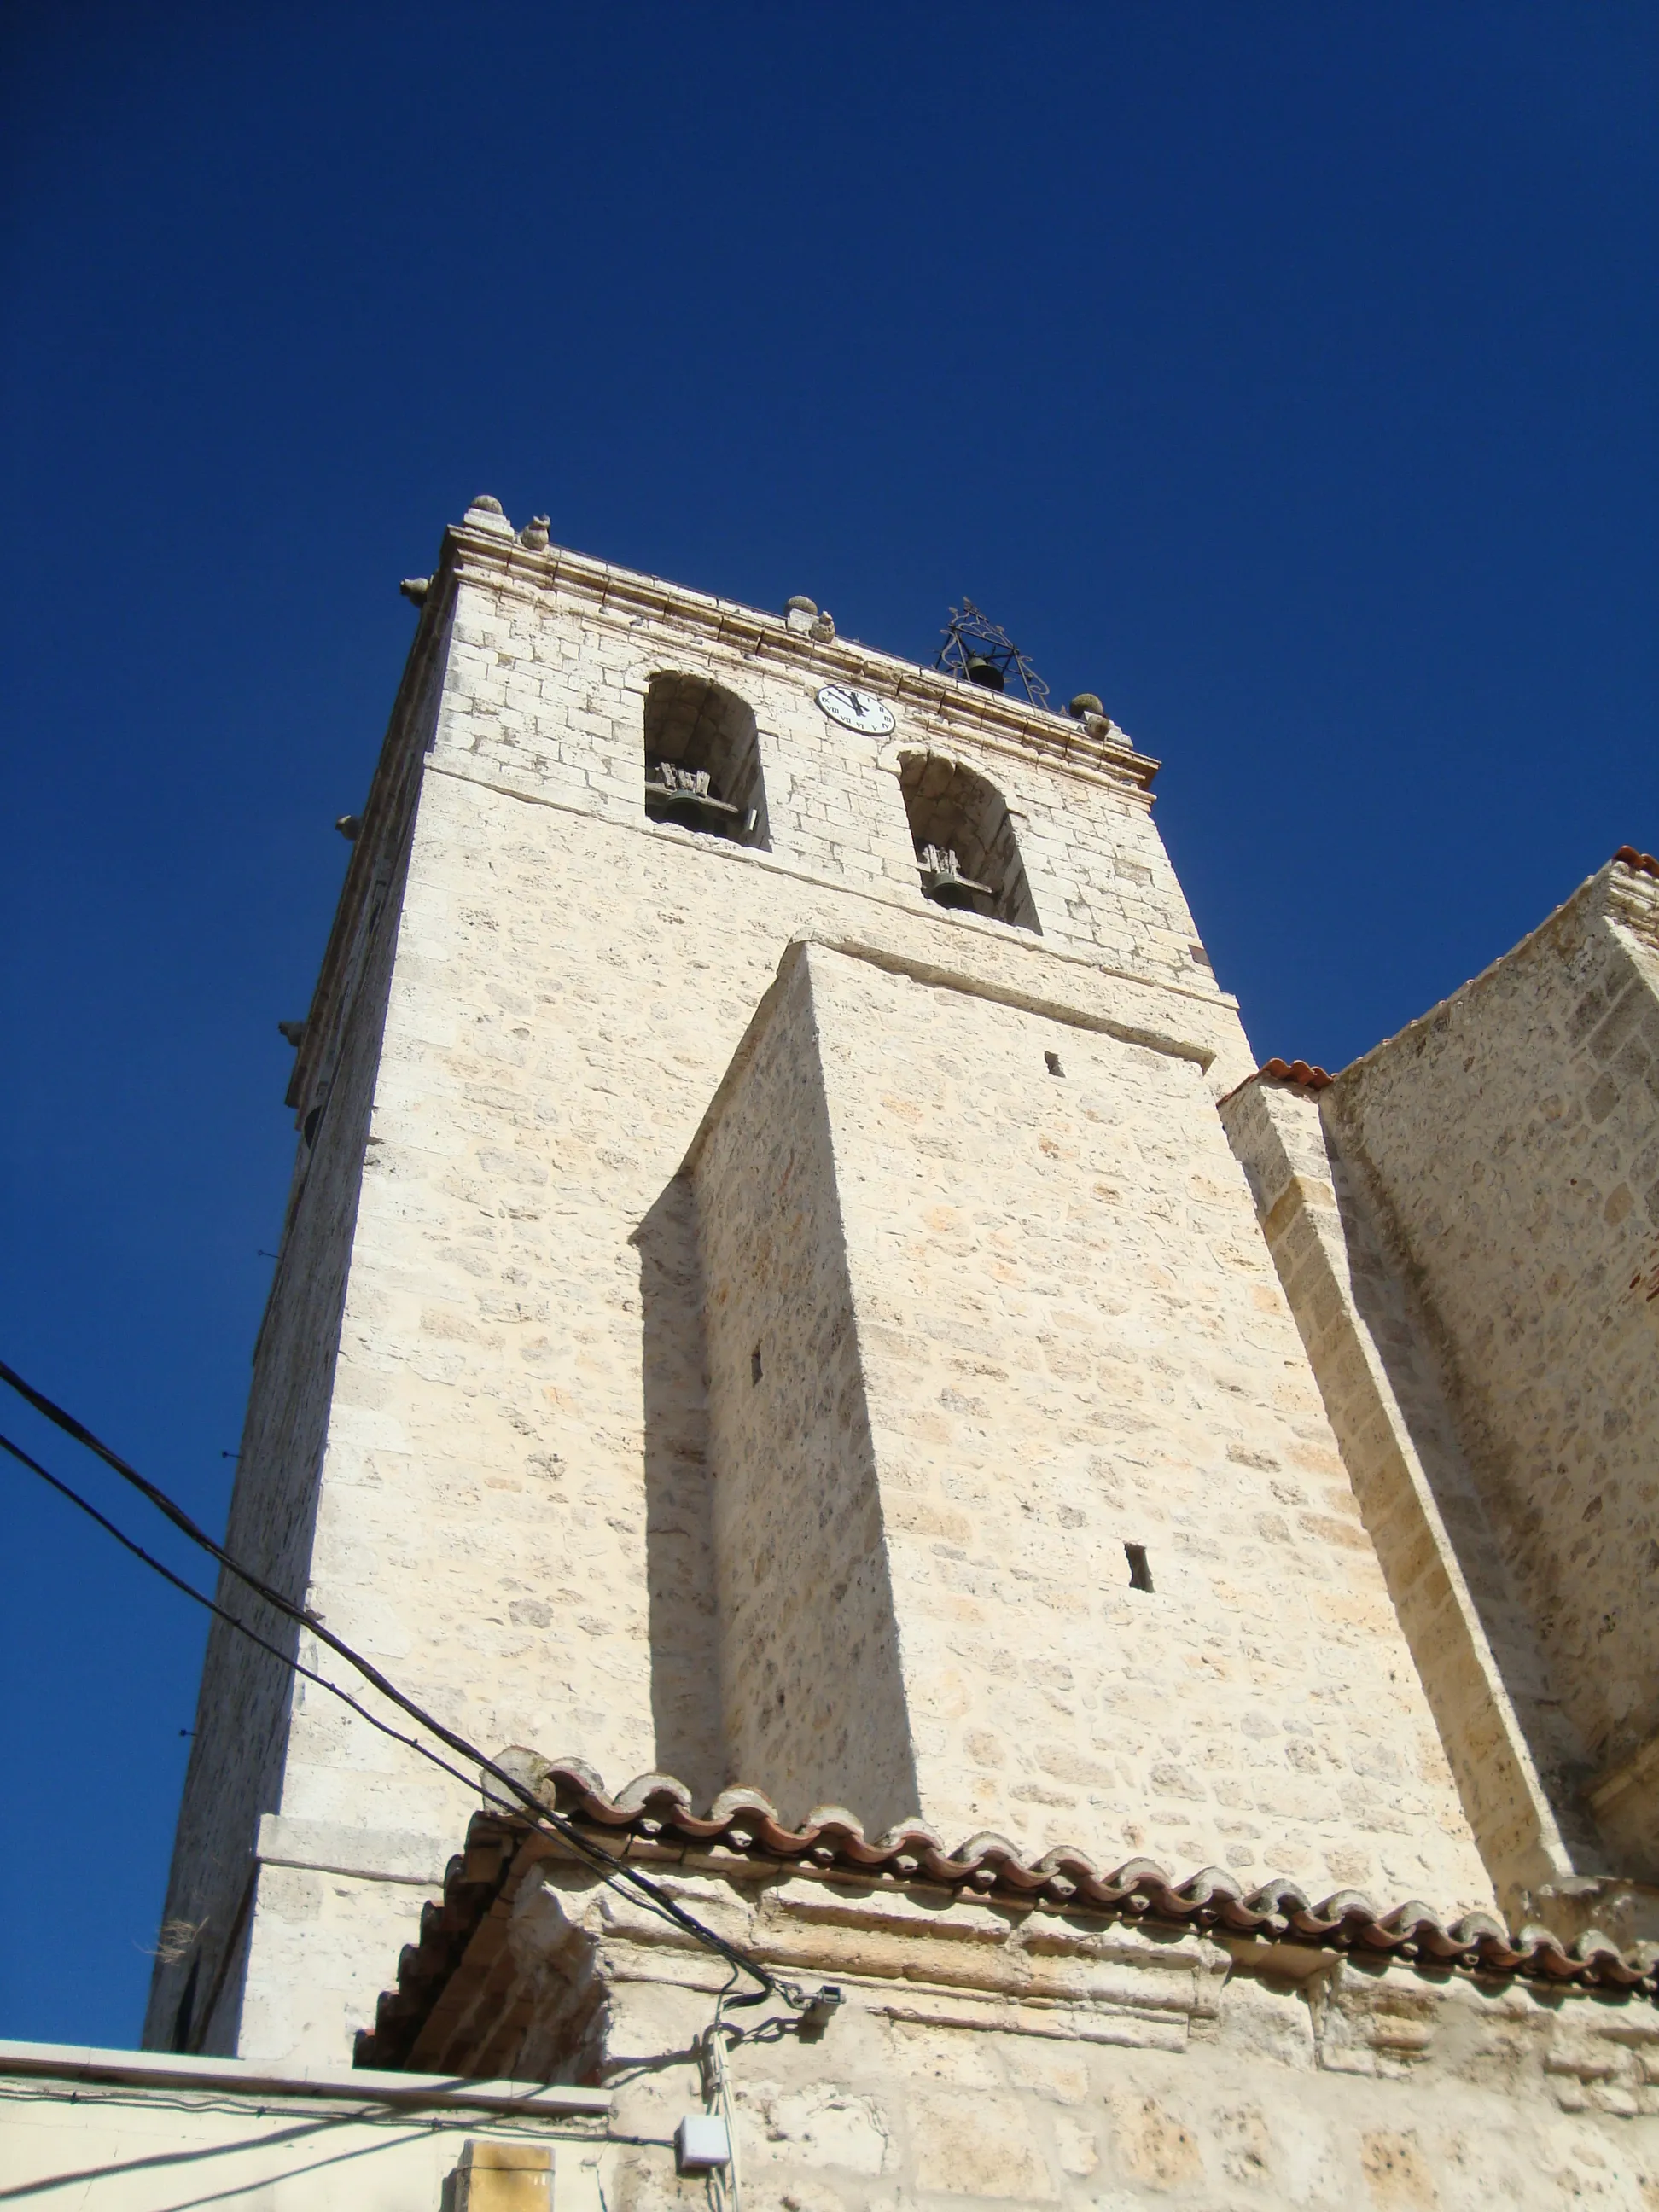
1284 374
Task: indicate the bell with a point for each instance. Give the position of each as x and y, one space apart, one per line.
985 672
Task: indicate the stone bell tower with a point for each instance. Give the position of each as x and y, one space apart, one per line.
767 1298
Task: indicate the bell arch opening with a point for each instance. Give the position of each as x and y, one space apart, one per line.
966 851
702 767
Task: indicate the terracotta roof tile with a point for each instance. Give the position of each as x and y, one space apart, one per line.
1285 1071
657 1810
1644 863
1295 1071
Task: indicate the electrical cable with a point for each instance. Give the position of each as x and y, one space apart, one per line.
229 1619
596 1857
725 2184
296 1666
610 1870
615 1871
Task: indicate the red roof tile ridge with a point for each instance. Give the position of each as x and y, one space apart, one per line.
1296 1071
658 1808
1644 863
1310 1076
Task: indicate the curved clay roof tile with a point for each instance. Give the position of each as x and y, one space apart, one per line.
658 1808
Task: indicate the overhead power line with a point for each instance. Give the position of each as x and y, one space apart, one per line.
616 1873
230 1620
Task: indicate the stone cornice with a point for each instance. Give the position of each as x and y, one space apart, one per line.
475 554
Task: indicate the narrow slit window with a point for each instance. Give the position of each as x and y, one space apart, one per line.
702 767
966 851
1140 1574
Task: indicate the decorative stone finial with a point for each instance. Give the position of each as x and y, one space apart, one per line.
800 613
485 513
823 630
1084 703
534 533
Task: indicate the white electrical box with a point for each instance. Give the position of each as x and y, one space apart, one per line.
702 2141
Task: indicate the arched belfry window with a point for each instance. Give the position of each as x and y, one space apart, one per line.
965 845
703 760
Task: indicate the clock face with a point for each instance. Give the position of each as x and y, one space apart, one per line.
856 710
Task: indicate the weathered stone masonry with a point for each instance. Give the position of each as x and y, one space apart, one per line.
741 1322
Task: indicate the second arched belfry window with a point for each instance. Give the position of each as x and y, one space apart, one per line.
966 851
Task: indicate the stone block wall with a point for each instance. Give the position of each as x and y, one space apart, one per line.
811 1689
1509 1145
1518 1763
990 2054
240 1741
1067 1340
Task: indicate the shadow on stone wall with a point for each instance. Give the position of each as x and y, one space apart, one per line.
685 1702
1403 1338
815 1701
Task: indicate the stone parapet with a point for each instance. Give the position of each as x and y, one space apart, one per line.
546 575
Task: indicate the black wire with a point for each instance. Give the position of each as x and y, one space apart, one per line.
229 1619
615 1871
297 1666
